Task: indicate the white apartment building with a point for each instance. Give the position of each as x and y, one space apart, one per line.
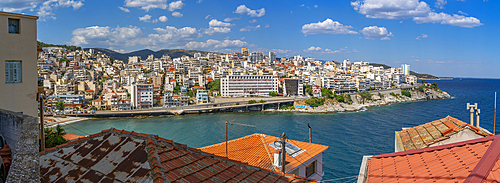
249 85
142 96
405 68
18 63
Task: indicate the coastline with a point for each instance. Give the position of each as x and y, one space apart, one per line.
51 122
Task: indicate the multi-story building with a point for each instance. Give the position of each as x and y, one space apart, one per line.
142 96
405 68
244 51
256 57
293 87
18 63
202 96
272 56
248 85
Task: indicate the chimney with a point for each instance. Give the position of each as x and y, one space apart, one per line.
277 158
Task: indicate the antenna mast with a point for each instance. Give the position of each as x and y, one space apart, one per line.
495 114
231 123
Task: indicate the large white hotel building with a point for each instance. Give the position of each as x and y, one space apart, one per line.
253 85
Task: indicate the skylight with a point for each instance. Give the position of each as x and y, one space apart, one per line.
291 149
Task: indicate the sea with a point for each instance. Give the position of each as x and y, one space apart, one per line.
349 136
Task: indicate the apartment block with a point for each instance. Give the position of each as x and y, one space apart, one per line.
248 85
142 96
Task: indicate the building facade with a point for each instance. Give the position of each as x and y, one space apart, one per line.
248 85
293 87
18 63
142 96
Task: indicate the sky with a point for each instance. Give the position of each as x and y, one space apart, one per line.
446 38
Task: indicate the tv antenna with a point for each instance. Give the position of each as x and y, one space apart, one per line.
232 123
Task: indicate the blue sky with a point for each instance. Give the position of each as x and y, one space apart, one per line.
445 37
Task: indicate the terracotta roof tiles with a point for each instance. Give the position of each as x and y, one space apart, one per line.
469 161
430 133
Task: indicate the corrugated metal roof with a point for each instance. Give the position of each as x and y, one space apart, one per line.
123 156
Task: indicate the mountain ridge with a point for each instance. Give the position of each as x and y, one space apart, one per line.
173 53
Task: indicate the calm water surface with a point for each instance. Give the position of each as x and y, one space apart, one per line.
349 135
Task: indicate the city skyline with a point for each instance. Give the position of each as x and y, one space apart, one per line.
442 38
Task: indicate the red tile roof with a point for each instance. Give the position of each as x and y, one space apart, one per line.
255 150
69 136
469 161
122 156
433 132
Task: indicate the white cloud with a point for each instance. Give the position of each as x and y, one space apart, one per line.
19 5
252 21
267 26
199 1
175 5
170 37
147 4
242 9
327 27
45 10
208 16
217 30
463 13
440 4
302 5
163 19
216 23
250 28
454 20
391 9
230 19
145 18
216 44
422 36
418 10
374 32
106 36
177 14
315 6
124 9
321 51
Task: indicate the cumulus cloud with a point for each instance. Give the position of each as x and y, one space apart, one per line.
461 12
124 9
217 30
147 4
374 32
216 23
208 16
321 51
252 21
250 28
327 27
440 4
216 44
454 20
145 18
44 8
177 14
242 9
132 36
106 36
163 19
175 5
418 10
422 36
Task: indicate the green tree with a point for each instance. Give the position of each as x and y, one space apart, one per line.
365 95
325 92
112 60
214 85
308 89
60 105
93 108
392 84
54 137
405 93
177 89
252 102
273 94
435 85
262 101
315 102
339 98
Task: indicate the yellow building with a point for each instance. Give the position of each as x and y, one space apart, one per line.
18 57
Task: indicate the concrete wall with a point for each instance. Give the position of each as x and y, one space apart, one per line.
21 133
19 97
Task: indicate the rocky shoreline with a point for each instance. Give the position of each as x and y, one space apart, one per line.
376 100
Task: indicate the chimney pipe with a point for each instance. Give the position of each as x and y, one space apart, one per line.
277 158
478 111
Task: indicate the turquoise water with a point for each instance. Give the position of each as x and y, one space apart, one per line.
349 135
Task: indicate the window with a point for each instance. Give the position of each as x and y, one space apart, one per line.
14 26
13 72
311 169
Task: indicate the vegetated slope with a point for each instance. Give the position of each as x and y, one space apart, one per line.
420 76
174 53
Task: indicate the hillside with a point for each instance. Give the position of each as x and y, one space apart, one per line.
175 53
419 76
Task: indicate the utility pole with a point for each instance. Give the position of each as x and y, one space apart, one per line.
231 123
283 152
495 115
310 138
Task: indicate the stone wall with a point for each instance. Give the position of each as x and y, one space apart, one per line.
21 133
